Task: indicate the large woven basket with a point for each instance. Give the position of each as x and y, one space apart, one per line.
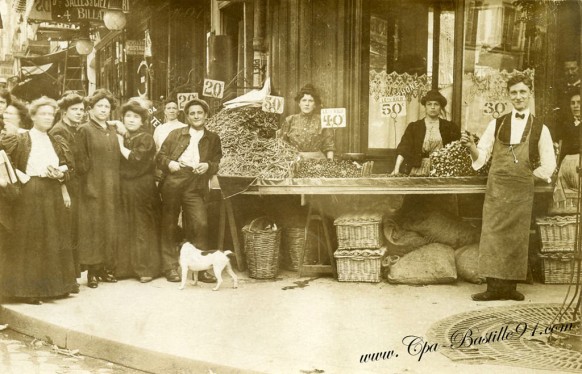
262 246
360 265
292 244
557 233
362 230
557 268
568 206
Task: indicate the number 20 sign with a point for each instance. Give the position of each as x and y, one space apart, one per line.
333 118
213 88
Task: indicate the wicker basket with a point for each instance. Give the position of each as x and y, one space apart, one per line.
361 265
557 268
292 244
362 230
557 233
262 248
568 206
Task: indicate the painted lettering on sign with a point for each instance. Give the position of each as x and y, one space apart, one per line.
333 118
184 97
213 88
273 104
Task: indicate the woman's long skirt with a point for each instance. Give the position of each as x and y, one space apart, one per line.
39 260
138 252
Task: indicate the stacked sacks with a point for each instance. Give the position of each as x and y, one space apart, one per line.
430 246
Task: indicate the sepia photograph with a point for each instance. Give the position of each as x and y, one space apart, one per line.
290 186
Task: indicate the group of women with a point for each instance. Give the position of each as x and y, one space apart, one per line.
85 198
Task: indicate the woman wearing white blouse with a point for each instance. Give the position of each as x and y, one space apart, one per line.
39 263
521 149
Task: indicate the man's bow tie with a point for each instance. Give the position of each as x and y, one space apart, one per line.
522 116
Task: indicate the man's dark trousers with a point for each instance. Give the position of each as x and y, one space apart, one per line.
181 191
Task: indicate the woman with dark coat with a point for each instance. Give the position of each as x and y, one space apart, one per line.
138 253
425 136
97 162
40 262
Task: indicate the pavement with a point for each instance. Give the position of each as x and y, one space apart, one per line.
286 325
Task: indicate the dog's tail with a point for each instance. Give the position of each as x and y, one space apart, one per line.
228 253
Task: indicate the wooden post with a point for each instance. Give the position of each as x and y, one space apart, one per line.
457 104
436 43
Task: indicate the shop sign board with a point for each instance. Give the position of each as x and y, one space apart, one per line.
41 10
184 97
135 47
332 118
82 10
393 106
274 104
213 88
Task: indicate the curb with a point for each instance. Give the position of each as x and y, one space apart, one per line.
109 350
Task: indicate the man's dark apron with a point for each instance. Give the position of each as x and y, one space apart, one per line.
503 249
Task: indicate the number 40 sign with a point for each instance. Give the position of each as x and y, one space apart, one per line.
333 118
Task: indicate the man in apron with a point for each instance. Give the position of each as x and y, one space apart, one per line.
521 150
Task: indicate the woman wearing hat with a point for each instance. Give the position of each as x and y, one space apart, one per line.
425 136
304 130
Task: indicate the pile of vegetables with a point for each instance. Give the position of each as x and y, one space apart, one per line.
328 169
249 146
454 160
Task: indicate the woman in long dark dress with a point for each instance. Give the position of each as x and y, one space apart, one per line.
97 159
39 263
138 252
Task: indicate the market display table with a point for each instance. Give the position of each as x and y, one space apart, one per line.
231 186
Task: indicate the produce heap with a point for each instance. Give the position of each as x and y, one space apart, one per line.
328 169
454 160
249 146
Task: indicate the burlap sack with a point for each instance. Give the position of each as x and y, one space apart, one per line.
430 264
398 241
440 227
467 260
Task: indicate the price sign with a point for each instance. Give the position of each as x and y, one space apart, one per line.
184 97
333 117
494 109
213 88
393 106
274 104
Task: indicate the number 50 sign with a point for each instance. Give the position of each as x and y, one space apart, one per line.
333 118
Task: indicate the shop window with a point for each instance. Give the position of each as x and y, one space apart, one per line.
411 50
496 47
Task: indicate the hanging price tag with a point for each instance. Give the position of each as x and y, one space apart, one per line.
333 118
184 97
393 106
494 109
274 104
213 88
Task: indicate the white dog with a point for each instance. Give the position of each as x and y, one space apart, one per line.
195 260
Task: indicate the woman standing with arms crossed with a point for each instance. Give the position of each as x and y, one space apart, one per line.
97 160
39 263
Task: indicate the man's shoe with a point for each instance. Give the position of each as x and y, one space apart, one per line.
145 279
92 280
513 295
487 296
172 275
107 276
206 277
